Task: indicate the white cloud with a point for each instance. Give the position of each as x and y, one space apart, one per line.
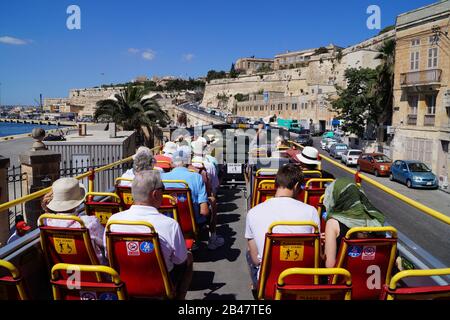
13 41
133 50
148 54
188 57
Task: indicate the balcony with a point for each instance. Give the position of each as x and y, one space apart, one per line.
412 119
420 78
429 120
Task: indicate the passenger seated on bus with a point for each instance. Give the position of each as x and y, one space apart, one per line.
21 229
147 189
199 159
280 148
142 160
309 160
164 161
66 198
346 207
181 161
283 207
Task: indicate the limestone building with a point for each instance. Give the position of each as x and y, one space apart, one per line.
253 65
421 115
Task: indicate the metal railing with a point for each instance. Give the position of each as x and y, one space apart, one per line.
362 177
421 77
90 175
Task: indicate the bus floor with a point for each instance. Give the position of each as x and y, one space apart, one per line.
222 274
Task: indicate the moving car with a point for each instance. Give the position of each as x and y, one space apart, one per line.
413 174
351 157
337 149
329 143
304 140
376 163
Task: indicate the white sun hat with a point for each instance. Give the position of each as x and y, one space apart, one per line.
170 147
309 155
197 146
68 194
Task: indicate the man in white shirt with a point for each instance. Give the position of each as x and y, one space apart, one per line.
147 189
283 207
142 160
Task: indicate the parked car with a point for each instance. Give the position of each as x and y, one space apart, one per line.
337 149
330 142
376 163
304 139
351 157
413 174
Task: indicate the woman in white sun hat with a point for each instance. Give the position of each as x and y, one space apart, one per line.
66 198
309 160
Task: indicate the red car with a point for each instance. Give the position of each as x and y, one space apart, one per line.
376 163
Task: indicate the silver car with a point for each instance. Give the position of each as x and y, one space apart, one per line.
337 149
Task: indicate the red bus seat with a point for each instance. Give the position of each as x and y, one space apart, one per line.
138 259
294 291
12 282
392 292
320 210
265 190
124 193
287 250
185 207
64 289
314 189
260 175
103 210
67 245
369 260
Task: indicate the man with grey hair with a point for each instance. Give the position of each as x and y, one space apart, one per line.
181 160
147 189
142 160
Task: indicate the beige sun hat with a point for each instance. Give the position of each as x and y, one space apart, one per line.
68 194
309 155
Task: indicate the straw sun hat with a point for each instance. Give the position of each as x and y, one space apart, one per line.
68 194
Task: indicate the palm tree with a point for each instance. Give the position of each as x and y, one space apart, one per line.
131 110
383 88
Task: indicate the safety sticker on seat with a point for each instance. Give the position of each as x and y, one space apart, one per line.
128 198
354 251
291 253
108 296
133 248
65 245
369 252
146 247
103 216
88 295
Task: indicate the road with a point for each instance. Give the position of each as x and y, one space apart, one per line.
426 232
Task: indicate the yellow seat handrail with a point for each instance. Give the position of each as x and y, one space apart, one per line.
416 273
266 181
293 224
123 179
315 272
389 229
11 268
130 223
305 172
321 180
85 268
103 194
60 216
178 182
266 170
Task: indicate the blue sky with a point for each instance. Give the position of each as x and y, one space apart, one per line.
120 40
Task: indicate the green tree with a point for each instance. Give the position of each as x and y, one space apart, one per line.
213 74
132 111
233 72
356 104
383 89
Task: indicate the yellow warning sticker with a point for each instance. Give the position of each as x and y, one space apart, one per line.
291 253
65 245
128 198
103 216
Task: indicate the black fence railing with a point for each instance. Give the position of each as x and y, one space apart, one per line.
17 187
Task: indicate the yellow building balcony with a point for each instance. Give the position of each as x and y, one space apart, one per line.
420 78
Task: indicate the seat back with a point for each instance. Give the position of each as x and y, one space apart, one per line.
265 190
290 290
391 292
287 250
67 245
103 210
320 211
314 189
184 204
63 289
11 282
138 259
124 193
260 175
369 260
